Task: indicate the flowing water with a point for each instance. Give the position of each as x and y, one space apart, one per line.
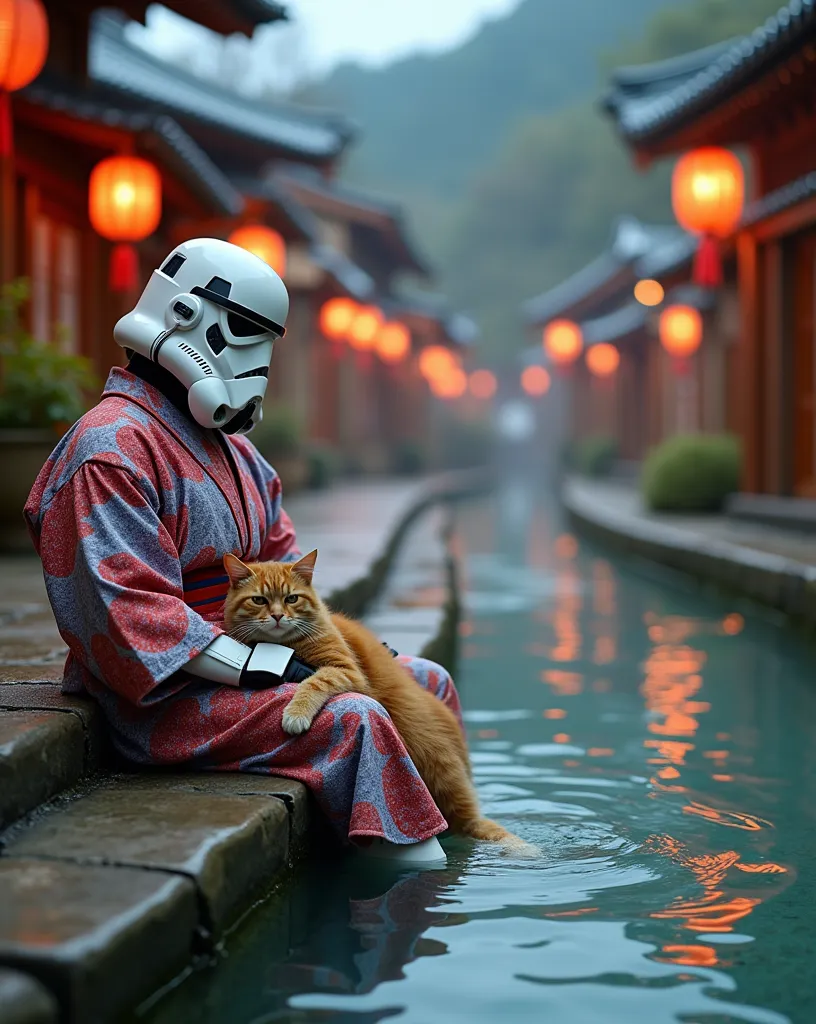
658 744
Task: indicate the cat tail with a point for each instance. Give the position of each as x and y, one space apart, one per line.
492 832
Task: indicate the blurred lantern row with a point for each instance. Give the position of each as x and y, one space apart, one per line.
711 317
100 179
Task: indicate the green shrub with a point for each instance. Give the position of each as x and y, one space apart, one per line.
323 466
409 458
279 435
595 456
40 386
692 473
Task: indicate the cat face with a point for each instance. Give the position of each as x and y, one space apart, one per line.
271 601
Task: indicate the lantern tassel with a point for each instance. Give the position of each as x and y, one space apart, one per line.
124 268
6 125
708 271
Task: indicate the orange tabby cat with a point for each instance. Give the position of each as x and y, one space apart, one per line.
276 603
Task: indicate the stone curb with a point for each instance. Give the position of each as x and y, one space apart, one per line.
24 1000
768 578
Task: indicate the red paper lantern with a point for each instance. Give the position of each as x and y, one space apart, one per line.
563 341
264 243
124 205
482 384
649 293
23 49
681 331
602 360
435 361
452 383
535 380
393 342
364 328
708 194
336 318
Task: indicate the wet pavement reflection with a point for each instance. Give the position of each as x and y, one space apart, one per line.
655 742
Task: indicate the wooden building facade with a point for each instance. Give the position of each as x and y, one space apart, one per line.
755 95
224 161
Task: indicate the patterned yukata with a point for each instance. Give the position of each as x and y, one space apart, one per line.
131 517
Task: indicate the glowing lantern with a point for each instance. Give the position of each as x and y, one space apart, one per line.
23 49
452 383
124 204
364 328
602 360
393 342
649 293
535 380
435 361
482 384
563 342
708 193
263 242
336 318
681 331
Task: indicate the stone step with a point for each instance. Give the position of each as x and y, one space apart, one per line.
48 743
24 1000
111 896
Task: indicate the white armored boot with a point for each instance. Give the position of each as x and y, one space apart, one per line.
427 854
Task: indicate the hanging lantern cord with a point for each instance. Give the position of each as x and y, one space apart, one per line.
708 272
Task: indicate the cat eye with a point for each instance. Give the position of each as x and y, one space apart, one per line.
259 600
291 598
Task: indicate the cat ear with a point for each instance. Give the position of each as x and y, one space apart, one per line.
236 570
306 566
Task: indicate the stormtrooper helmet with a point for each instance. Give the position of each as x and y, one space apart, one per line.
210 315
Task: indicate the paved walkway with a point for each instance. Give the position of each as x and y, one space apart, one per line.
349 524
774 566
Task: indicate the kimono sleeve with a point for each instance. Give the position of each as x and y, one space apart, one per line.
114 582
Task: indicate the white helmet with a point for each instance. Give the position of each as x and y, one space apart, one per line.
210 316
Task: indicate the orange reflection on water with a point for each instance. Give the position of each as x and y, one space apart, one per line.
564 617
673 751
487 734
669 773
733 624
561 737
732 819
566 546
600 751
554 713
564 684
763 869
605 650
689 956
603 587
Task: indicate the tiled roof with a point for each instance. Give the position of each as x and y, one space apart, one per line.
174 147
228 16
780 199
305 182
647 101
458 327
120 65
621 323
302 220
351 279
633 244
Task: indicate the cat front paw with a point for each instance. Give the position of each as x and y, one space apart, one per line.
293 723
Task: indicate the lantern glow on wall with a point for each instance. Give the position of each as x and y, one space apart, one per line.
365 327
602 360
336 318
124 205
482 384
681 331
708 194
563 342
535 381
264 243
393 342
23 49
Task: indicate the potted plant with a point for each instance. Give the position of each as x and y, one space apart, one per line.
42 392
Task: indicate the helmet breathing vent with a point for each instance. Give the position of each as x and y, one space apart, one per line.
191 352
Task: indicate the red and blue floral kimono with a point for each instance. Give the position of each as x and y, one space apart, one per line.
131 516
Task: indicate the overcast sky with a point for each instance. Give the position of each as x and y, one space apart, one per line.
328 31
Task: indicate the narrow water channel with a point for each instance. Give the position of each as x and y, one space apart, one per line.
658 744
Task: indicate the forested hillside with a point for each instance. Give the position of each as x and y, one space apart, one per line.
510 172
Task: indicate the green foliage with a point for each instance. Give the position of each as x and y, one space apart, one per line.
40 386
692 473
280 433
323 466
409 458
594 456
